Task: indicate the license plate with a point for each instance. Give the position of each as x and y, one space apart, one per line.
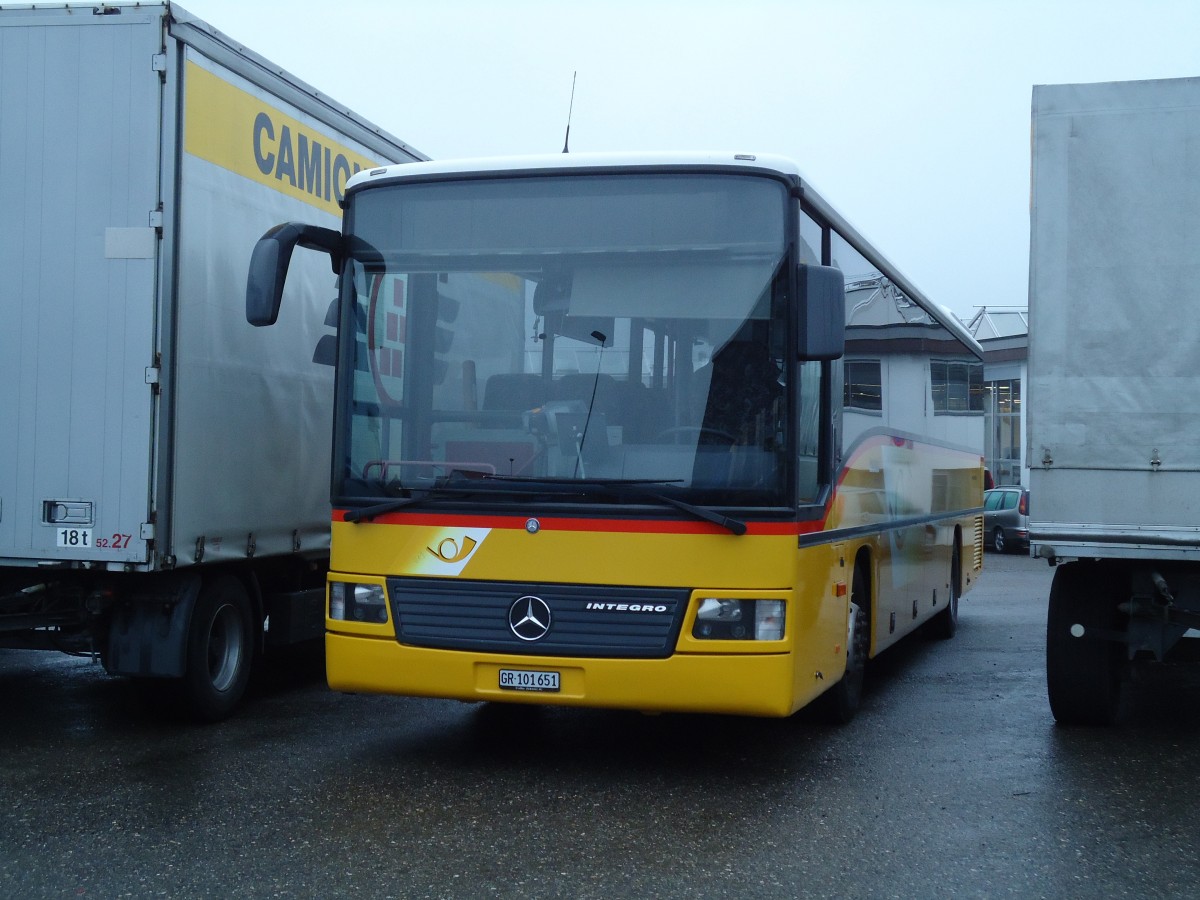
526 680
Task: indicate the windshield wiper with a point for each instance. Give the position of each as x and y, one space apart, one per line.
367 513
637 487
474 485
734 526
641 488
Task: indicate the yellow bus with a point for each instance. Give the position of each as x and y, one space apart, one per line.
662 433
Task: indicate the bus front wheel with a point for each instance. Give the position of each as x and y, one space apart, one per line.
841 702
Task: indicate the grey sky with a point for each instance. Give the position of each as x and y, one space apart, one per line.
912 118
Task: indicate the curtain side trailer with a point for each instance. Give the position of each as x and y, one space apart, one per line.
164 466
1114 370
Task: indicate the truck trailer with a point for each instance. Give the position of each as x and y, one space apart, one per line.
164 466
1114 376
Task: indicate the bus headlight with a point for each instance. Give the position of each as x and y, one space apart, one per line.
721 619
353 602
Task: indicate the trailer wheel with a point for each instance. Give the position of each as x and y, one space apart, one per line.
220 649
840 703
945 623
1084 666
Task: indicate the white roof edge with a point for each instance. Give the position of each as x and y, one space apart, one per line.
541 162
856 239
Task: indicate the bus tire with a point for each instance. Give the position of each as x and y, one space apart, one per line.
1083 673
840 703
945 623
220 650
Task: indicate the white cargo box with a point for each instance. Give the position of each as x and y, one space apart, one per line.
1114 304
143 423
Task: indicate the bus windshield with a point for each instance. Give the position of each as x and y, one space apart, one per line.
563 329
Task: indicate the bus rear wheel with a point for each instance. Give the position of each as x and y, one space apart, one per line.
945 623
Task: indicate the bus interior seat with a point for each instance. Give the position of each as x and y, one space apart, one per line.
622 403
513 391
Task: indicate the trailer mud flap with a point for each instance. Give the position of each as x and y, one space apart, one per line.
148 635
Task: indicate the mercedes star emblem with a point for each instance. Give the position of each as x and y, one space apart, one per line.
529 618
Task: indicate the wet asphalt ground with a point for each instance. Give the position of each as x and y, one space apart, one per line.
953 781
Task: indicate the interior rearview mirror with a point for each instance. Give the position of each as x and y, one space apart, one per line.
552 294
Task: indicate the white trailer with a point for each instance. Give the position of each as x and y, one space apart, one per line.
1114 377
164 466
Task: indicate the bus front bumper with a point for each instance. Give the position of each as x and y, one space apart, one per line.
759 684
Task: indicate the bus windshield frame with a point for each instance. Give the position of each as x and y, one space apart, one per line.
550 336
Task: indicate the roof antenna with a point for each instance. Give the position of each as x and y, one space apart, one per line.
570 109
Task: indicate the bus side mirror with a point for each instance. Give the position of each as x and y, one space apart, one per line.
822 321
269 265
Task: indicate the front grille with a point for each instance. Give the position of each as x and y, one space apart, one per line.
586 620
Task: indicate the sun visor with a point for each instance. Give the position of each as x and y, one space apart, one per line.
725 290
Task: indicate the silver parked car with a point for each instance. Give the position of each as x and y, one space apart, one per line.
1006 518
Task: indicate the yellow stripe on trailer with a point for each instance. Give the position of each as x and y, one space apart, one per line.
242 133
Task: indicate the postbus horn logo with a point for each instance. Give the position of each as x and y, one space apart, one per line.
448 551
